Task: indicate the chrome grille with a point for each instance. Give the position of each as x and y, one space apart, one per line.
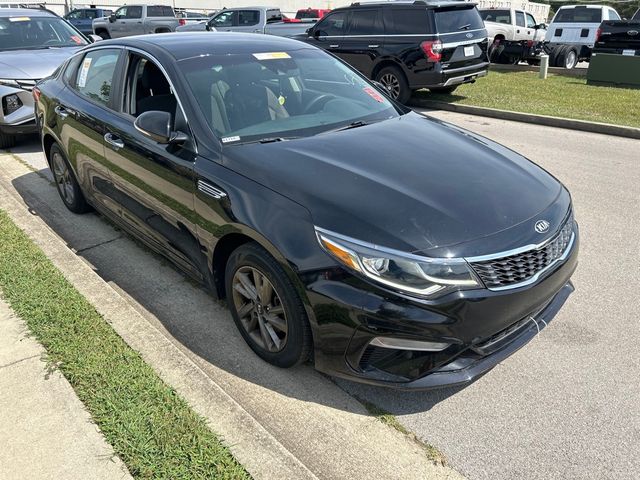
509 271
27 84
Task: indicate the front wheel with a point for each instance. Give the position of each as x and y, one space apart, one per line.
446 90
395 82
7 141
104 35
266 307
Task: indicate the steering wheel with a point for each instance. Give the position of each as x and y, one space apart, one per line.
318 102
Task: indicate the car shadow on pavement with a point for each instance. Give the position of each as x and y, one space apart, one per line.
202 326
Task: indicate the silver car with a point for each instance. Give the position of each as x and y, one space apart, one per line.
33 43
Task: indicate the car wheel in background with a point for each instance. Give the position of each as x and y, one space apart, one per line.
7 141
447 90
567 57
104 34
396 84
266 307
66 182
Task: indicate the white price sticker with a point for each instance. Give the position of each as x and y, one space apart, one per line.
469 51
84 70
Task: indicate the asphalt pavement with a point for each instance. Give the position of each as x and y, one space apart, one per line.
568 404
565 406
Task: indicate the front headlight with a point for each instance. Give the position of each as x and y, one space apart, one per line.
414 274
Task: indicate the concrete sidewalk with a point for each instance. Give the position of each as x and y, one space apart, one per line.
45 432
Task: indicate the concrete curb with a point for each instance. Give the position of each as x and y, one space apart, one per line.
335 440
592 127
574 72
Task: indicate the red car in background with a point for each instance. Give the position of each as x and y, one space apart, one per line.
306 14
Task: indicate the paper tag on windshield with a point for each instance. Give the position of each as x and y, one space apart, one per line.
19 19
373 94
84 70
76 39
271 55
230 139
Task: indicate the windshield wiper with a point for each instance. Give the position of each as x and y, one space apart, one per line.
356 124
464 27
266 140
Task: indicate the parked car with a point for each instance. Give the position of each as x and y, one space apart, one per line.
186 17
136 20
308 15
572 33
33 43
407 45
621 37
268 20
510 25
82 18
340 226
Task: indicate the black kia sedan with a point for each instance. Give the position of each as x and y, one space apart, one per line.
385 246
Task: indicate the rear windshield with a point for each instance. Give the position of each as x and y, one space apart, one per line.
497 16
636 16
458 19
579 15
302 14
159 11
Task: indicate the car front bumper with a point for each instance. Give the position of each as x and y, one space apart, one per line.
21 121
481 327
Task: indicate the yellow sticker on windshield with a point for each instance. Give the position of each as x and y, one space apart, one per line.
271 55
19 19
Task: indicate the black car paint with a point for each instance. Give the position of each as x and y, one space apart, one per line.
275 193
371 53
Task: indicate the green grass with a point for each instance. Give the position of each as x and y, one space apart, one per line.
433 454
152 429
558 96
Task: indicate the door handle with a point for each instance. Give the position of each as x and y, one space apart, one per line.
61 112
256 31
139 22
373 46
334 46
114 141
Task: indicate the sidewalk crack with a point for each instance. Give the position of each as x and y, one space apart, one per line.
98 244
18 361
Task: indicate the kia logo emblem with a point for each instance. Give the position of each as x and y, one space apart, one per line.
470 35
541 226
632 33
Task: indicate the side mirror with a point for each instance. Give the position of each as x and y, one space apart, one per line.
112 18
309 31
156 125
541 26
95 38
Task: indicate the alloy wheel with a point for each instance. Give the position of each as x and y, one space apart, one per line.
63 179
260 309
391 83
571 60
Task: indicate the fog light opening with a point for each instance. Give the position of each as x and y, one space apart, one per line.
405 344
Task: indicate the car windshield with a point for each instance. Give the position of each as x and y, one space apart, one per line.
275 95
31 33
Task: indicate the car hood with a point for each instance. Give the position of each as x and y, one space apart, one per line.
33 64
411 183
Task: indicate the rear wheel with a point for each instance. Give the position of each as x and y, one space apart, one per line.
447 90
66 182
266 307
567 58
7 141
104 34
395 82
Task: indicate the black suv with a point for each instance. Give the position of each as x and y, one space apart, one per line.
407 45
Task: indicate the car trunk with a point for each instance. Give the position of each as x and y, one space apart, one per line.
620 35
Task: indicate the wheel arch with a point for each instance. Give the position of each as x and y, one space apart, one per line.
387 62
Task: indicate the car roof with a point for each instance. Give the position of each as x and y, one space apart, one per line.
25 12
181 45
407 3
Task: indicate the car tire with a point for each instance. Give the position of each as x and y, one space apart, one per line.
253 308
567 58
553 57
66 182
7 141
446 90
395 82
104 35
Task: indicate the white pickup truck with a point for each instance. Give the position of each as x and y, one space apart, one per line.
267 20
510 25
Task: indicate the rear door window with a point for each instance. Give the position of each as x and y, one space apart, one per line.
94 76
365 22
520 19
449 20
248 18
408 21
